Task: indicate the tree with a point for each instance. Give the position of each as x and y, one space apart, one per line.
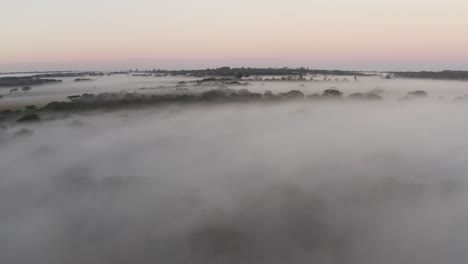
332 92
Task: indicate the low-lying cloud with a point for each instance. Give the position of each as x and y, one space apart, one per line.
286 183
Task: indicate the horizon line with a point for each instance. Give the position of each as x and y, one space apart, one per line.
215 68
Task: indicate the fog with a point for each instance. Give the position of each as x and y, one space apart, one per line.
324 182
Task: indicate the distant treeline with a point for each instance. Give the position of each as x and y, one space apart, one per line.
247 72
119 101
24 81
442 75
68 74
108 101
35 72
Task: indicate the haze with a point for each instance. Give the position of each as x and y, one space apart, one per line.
380 182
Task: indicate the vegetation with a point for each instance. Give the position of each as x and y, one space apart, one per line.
24 81
247 72
121 100
109 101
365 96
443 75
28 118
414 94
68 74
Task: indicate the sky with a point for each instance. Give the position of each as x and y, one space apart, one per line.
176 34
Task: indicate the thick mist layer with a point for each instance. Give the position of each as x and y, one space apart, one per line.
287 183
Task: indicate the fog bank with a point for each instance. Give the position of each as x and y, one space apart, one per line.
287 183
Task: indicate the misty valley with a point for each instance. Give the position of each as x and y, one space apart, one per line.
222 166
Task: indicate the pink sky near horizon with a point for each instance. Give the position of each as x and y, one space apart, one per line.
314 33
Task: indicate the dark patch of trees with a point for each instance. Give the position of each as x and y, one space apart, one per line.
28 118
332 93
442 75
414 95
365 96
83 80
24 81
68 74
